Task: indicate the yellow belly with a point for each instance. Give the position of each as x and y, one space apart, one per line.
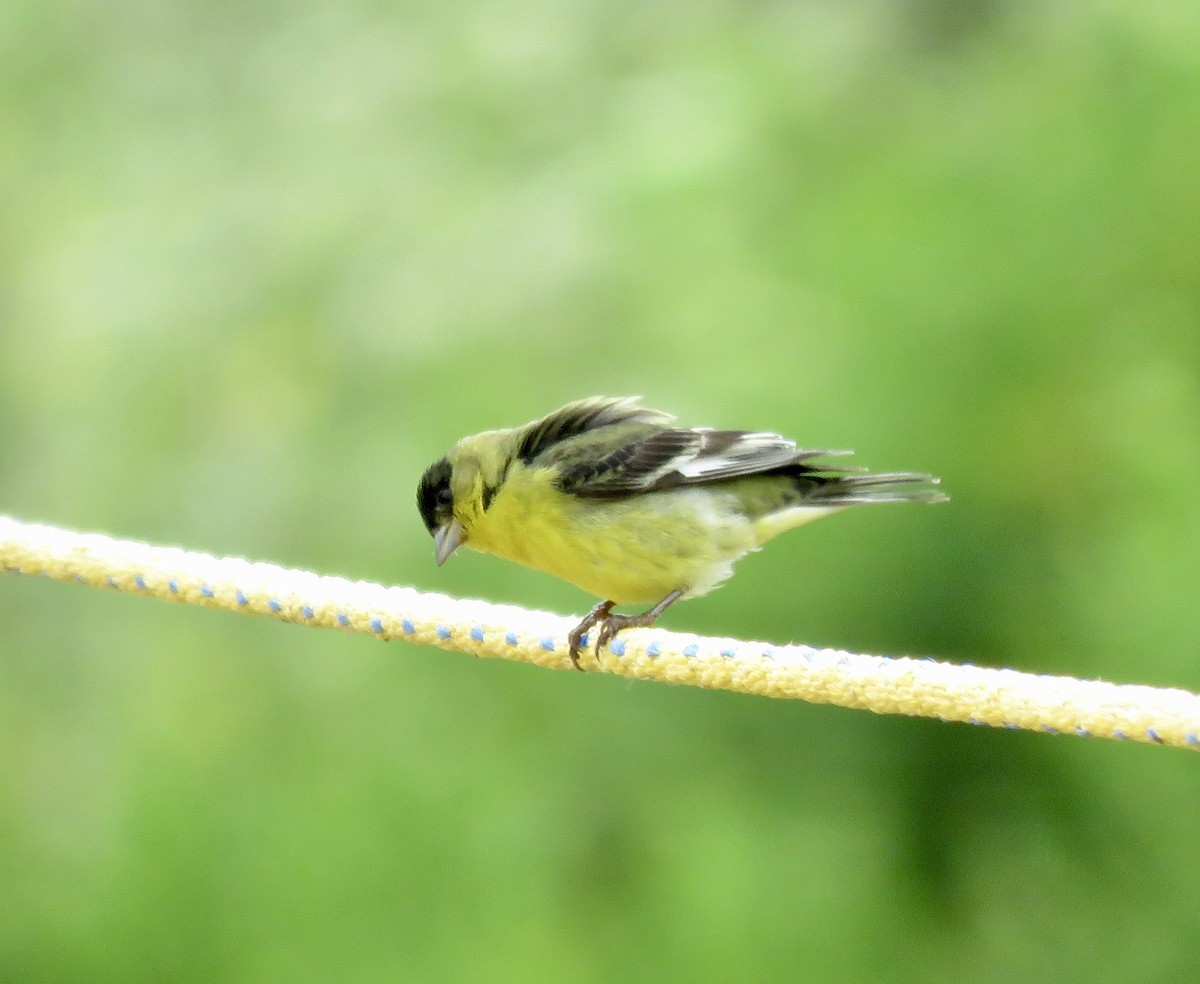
631 550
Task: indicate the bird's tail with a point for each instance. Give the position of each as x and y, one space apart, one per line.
838 488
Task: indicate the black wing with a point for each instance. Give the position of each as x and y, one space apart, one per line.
673 457
581 417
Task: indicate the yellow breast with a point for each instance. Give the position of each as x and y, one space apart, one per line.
630 550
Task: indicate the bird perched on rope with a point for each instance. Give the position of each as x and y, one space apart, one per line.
606 494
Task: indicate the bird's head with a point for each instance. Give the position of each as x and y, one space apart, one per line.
435 499
451 495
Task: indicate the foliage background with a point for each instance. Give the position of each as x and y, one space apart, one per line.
261 262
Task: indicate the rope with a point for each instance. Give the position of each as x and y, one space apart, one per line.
917 687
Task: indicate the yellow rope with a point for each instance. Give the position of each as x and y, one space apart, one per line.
920 687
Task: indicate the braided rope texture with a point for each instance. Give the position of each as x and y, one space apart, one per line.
884 685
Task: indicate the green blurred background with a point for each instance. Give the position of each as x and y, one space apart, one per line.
260 263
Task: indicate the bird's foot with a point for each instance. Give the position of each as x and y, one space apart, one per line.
611 624
601 613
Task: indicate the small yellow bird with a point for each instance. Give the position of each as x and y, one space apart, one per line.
605 494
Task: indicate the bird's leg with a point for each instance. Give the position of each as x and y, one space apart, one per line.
611 624
575 637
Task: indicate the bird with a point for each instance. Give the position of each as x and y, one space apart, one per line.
610 496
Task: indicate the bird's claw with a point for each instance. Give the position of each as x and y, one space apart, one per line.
599 615
610 624
608 631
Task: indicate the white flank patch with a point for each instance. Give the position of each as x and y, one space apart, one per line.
731 534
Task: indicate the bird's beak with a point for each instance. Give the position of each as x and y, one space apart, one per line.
448 538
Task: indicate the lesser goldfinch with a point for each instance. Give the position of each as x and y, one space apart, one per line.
605 494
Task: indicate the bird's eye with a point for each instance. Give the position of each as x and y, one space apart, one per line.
445 497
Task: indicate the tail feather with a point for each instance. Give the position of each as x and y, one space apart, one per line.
849 489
